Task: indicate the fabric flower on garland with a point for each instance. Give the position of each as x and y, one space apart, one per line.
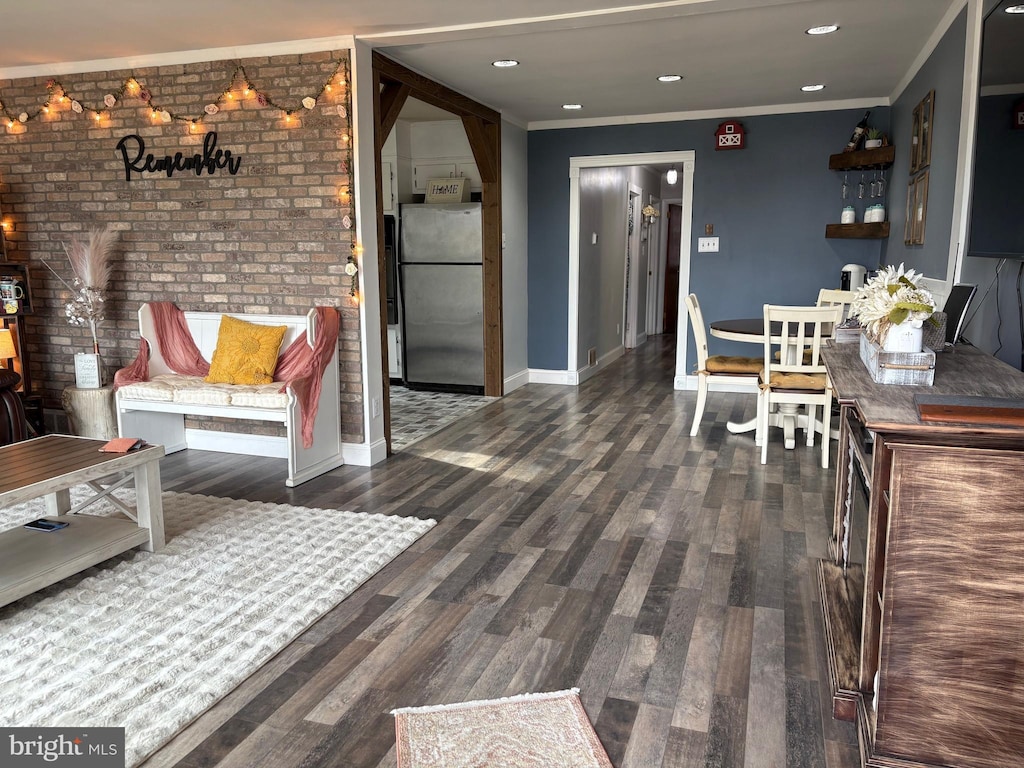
892 297
352 270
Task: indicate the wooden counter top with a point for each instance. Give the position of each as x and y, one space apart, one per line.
963 371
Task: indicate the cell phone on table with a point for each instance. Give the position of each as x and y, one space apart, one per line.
42 524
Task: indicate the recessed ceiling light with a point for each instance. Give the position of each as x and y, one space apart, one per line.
815 87
505 63
824 29
669 78
572 106
1014 9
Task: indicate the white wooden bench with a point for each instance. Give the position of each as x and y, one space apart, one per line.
156 410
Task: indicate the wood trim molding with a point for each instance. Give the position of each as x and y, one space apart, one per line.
432 92
393 84
392 98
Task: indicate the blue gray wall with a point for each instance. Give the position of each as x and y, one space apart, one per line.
943 72
769 204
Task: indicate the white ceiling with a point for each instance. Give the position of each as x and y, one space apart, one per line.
603 54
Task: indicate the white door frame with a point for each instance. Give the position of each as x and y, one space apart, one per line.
630 289
687 159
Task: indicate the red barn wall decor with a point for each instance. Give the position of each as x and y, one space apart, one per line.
730 135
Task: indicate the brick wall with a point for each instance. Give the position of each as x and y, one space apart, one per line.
270 239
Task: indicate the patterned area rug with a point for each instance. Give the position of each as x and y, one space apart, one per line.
416 415
533 730
149 641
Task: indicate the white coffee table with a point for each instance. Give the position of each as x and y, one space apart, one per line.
49 466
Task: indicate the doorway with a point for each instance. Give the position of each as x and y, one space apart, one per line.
579 355
393 84
670 314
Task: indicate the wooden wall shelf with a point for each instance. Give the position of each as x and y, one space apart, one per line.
863 159
869 230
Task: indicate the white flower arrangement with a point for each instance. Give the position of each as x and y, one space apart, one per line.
889 298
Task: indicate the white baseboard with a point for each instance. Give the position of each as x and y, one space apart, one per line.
237 442
602 362
517 380
359 454
690 382
548 376
365 454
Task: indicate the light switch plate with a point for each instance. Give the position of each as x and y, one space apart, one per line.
707 245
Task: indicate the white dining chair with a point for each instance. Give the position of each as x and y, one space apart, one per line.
716 369
798 376
832 297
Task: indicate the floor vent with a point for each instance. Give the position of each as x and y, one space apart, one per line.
592 356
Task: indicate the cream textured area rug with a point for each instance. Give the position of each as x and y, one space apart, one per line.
149 641
533 730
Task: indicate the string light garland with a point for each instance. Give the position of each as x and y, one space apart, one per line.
57 94
345 194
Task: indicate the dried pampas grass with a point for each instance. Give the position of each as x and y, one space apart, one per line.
91 263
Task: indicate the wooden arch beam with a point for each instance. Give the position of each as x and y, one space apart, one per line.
392 99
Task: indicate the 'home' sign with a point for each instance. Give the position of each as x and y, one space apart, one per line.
453 190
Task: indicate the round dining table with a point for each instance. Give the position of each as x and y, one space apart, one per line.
751 331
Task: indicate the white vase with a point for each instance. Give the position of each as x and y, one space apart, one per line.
908 336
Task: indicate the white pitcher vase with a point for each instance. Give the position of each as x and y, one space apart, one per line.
908 336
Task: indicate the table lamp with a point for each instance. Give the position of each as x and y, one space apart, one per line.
7 350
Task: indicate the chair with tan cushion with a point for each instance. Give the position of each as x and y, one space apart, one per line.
797 377
715 369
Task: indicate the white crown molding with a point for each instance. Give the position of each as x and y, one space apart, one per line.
342 42
929 47
711 114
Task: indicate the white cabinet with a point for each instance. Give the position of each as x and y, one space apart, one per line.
394 352
425 170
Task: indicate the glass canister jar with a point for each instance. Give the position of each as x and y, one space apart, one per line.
849 215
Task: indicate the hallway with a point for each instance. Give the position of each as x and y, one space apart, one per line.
583 540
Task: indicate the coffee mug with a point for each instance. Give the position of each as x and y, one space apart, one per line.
10 290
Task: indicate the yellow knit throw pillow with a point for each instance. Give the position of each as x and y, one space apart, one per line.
246 353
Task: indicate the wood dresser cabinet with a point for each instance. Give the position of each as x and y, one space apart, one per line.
924 584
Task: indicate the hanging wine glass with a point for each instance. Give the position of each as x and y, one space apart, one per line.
874 185
881 184
844 191
861 187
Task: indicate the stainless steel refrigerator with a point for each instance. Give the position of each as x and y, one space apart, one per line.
441 262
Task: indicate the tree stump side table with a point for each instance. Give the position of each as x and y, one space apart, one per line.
91 412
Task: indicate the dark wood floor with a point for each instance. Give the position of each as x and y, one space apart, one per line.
583 540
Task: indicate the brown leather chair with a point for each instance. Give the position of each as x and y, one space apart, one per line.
13 426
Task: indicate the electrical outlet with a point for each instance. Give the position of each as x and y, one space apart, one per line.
592 356
376 406
707 245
